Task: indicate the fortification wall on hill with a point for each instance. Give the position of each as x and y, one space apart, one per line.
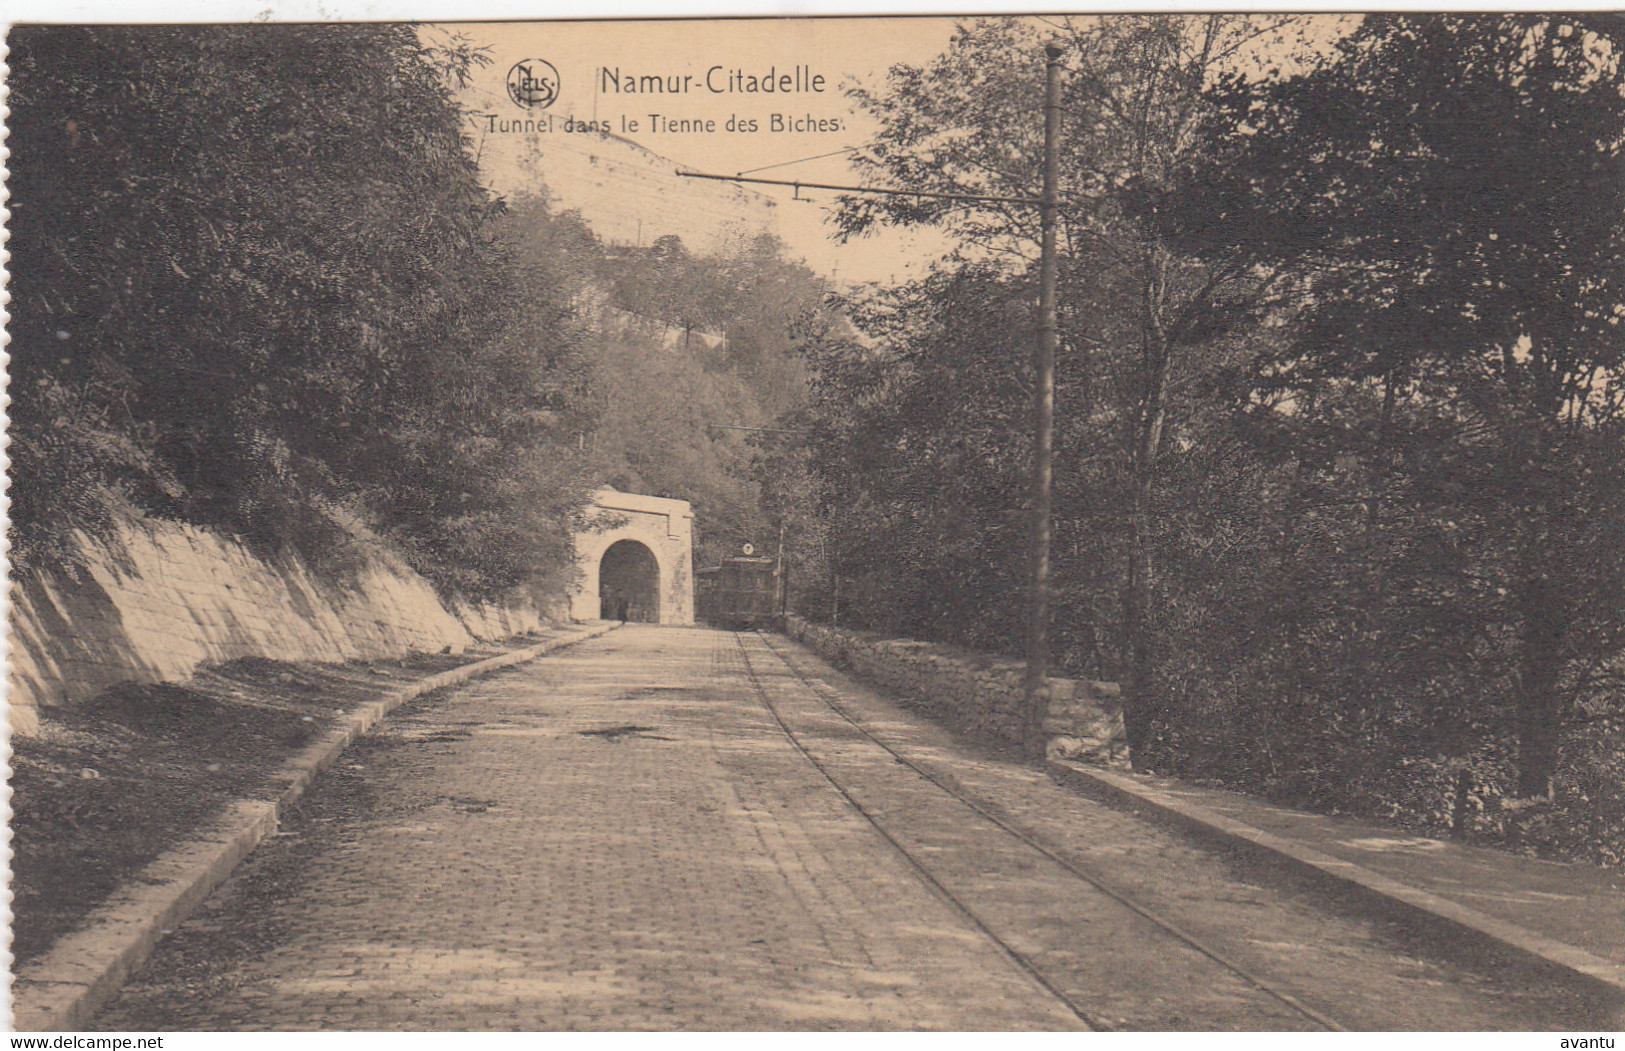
163 598
627 194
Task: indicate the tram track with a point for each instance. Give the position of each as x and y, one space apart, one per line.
990 815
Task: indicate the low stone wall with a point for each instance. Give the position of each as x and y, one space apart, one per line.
976 694
164 598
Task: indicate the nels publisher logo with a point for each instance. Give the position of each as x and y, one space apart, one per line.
533 83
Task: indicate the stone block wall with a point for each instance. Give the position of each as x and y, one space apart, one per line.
164 598
976 694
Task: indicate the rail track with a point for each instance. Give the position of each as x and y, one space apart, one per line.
895 834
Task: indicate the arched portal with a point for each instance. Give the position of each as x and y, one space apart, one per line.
663 528
629 574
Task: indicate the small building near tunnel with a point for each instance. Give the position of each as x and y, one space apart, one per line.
638 552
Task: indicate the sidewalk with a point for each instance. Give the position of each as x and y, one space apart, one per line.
1570 917
86 966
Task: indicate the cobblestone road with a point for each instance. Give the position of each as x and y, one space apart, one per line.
622 836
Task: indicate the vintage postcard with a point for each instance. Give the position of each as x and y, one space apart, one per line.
974 522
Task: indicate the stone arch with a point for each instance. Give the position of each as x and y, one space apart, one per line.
665 528
629 574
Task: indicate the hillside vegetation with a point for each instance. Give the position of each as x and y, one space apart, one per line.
1340 432
231 306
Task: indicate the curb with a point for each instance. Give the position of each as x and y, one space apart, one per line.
1600 974
86 967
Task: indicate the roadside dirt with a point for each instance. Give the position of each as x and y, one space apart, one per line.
107 786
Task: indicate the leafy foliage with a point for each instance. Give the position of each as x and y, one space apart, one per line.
929 427
1338 483
679 421
259 285
1457 239
1133 308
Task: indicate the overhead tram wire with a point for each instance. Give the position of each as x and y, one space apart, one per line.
762 430
886 191
1035 679
802 160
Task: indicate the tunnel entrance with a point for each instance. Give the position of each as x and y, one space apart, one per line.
629 573
655 572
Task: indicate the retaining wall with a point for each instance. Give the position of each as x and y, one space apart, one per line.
976 694
163 598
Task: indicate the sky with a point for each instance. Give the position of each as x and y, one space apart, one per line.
840 52
706 116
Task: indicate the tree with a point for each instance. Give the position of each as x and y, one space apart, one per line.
481 487
1450 192
1135 307
919 438
675 419
258 284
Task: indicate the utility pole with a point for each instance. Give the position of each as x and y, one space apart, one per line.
783 596
1035 686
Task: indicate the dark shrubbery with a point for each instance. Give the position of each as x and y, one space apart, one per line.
256 283
1339 484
